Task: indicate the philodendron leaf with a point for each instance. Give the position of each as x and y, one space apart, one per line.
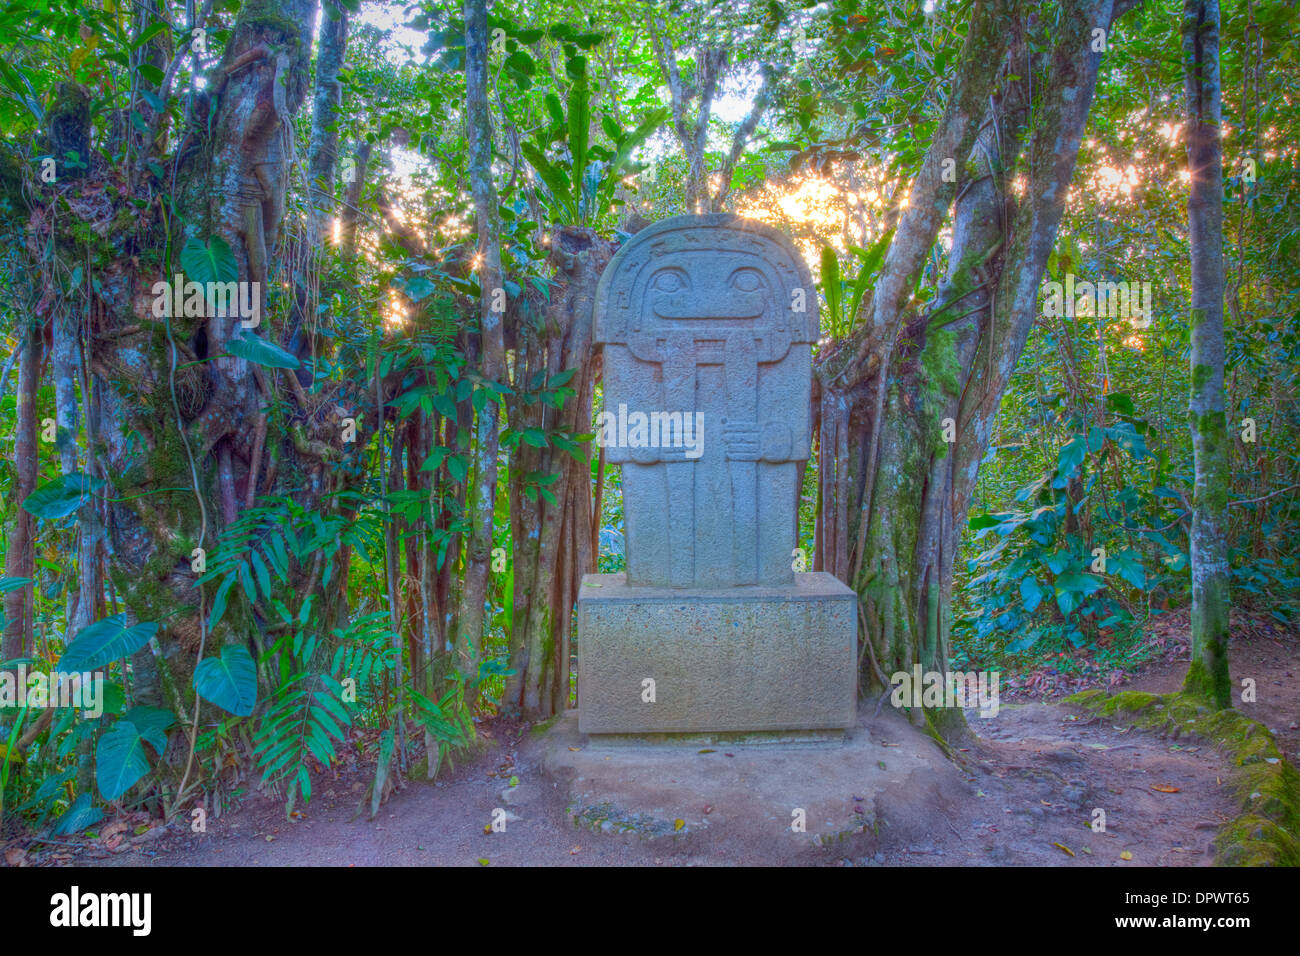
254 348
229 681
210 262
108 640
78 816
120 760
60 497
153 724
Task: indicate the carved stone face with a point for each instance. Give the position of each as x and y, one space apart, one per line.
739 290
717 271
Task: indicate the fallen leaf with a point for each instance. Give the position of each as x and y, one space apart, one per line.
575 749
1163 788
1126 855
706 750
574 850
483 861
678 823
1064 849
514 781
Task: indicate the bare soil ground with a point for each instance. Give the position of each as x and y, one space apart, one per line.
1036 774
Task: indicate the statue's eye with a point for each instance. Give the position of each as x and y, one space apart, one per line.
746 280
669 280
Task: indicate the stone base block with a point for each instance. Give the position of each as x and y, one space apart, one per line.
734 660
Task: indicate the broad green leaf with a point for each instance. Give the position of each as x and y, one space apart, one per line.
153 724
254 348
229 681
107 640
78 816
60 497
831 286
210 262
120 760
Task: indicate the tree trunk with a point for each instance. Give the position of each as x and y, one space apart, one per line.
179 437
1208 674
907 403
323 148
20 556
553 539
478 553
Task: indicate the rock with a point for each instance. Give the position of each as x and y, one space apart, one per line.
1075 793
517 795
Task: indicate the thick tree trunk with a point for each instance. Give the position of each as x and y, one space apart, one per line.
907 404
1208 674
180 439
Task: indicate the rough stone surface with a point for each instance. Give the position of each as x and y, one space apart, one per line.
882 780
707 324
738 659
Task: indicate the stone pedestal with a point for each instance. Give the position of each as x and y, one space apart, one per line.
741 659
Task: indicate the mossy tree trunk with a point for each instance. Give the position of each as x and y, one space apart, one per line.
1208 674
183 439
907 403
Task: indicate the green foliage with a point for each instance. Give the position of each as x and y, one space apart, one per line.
212 261
258 350
581 189
1043 576
842 313
61 496
108 640
120 760
228 680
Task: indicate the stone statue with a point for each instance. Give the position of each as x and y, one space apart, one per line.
707 325
709 320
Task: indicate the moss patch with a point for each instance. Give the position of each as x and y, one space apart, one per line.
1267 833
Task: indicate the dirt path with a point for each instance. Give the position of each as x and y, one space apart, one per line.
1036 774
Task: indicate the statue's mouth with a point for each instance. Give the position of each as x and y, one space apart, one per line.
693 317
718 307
